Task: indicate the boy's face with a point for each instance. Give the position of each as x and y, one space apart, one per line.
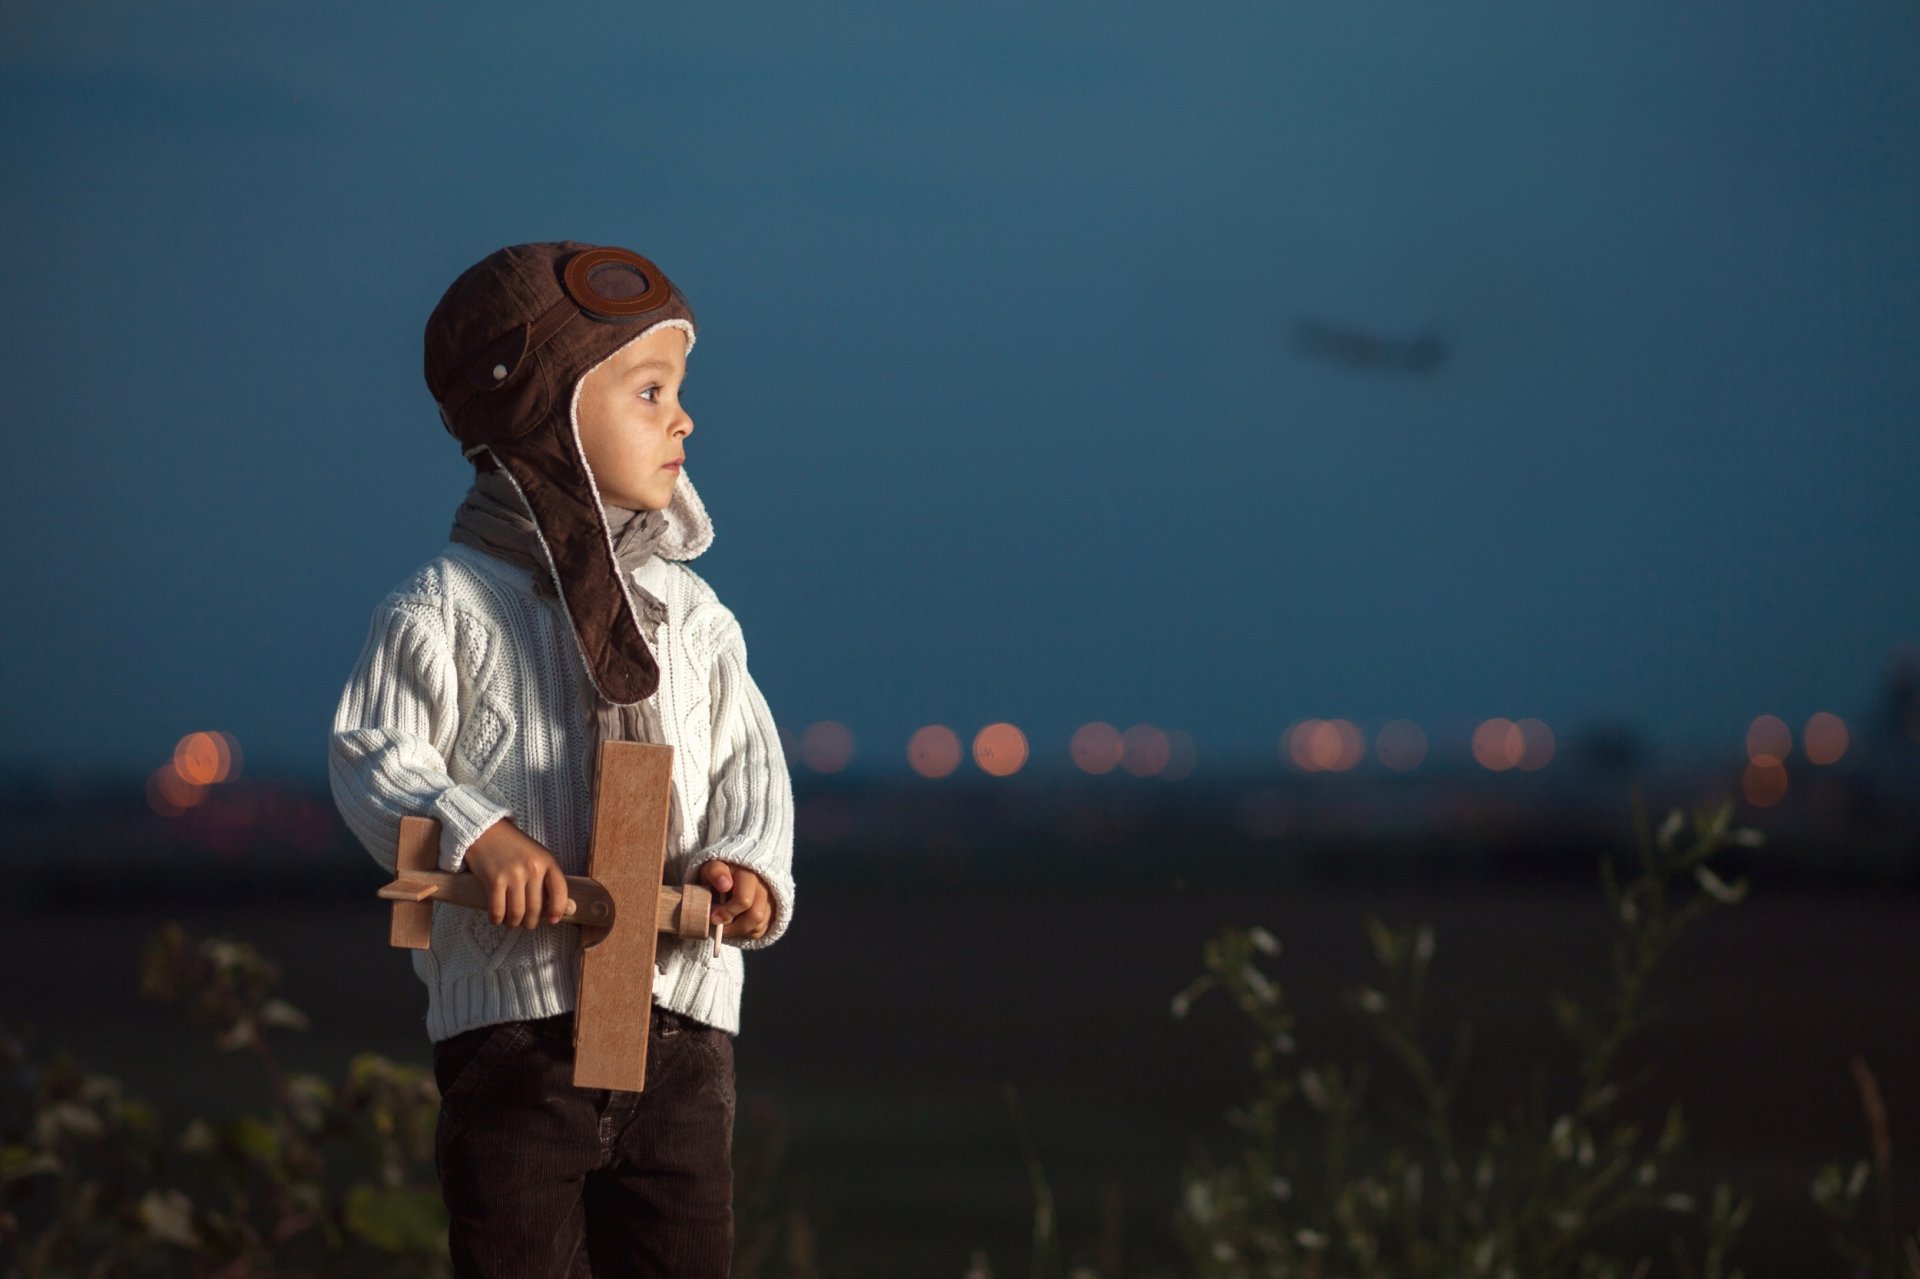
632 424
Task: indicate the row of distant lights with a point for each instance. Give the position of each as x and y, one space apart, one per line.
1309 745
1149 751
1769 741
200 761
1146 750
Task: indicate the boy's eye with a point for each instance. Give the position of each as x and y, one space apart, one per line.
651 391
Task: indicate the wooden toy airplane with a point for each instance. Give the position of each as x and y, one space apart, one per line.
620 906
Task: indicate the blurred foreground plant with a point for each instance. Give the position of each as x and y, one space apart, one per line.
336 1179
1884 1251
1313 1193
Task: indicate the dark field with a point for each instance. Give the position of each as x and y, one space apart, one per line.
882 1030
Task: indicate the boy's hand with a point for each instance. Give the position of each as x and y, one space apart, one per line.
744 907
522 879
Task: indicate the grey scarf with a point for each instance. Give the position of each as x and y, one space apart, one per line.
494 519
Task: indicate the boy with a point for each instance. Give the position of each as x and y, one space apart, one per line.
561 614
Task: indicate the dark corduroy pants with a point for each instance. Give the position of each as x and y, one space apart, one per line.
543 1180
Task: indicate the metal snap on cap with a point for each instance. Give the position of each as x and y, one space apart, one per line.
499 372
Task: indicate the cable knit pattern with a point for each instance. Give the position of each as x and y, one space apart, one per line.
469 703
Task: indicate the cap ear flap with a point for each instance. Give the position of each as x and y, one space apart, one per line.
553 480
511 391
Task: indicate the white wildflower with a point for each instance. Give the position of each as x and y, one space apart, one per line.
1281 1189
278 1012
1263 941
222 952
197 1137
238 1035
1716 887
1184 1000
1560 1139
1670 828
1257 982
1309 1238
1858 1180
66 1116
168 1216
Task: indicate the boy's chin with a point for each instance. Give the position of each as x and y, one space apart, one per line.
658 498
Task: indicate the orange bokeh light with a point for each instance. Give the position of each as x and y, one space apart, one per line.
1536 744
1324 745
1769 736
1096 747
934 751
1825 738
1499 744
169 794
826 746
1144 750
1000 749
202 759
1764 781
1400 745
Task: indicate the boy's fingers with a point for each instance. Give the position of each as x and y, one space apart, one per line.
556 893
718 877
536 889
739 903
516 903
497 900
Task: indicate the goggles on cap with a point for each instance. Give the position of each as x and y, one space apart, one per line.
606 284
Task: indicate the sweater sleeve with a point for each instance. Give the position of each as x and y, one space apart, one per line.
394 727
749 817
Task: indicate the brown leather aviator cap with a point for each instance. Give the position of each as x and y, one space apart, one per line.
505 351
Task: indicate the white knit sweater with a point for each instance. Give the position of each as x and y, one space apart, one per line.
470 703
